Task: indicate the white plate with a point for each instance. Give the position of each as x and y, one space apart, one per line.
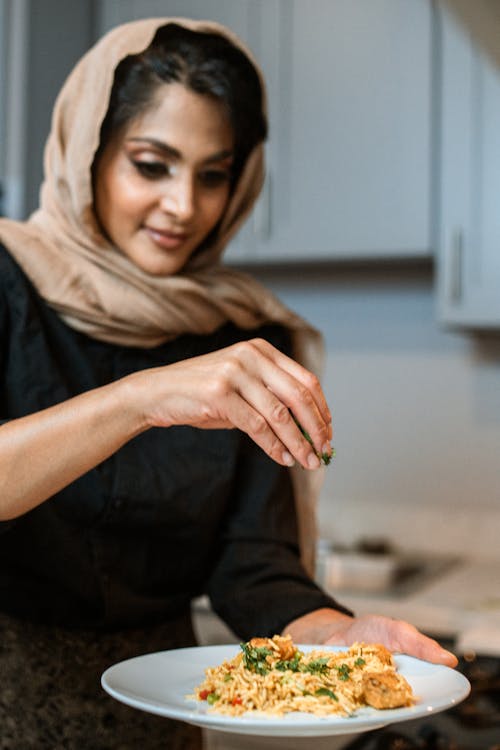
159 682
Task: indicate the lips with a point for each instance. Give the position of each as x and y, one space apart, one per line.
165 238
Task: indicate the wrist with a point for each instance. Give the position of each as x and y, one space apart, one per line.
134 396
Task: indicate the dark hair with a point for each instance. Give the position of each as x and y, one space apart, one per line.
206 63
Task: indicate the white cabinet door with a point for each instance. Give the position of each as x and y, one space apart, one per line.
350 106
232 13
469 243
351 114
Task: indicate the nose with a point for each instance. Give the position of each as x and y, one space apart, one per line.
179 198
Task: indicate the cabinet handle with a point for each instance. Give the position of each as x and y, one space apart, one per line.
456 266
262 212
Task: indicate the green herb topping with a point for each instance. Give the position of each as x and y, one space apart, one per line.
324 457
325 691
254 658
292 664
318 666
344 671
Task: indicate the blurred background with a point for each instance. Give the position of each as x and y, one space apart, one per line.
380 223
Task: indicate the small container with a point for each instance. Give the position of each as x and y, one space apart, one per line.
359 571
323 551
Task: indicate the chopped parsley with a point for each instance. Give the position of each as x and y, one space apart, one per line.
344 672
318 666
254 658
324 457
326 691
292 664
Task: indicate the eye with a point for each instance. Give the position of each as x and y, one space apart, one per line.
152 170
214 178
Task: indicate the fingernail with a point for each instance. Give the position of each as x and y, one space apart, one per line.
446 653
327 448
313 461
288 459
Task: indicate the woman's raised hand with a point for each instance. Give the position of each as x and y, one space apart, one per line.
250 386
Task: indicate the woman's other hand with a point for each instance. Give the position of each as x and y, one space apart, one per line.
330 627
250 386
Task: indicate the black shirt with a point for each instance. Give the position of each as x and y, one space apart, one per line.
173 514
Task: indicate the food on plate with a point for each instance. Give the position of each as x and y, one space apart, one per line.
273 676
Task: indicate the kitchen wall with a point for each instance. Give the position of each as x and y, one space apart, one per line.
416 410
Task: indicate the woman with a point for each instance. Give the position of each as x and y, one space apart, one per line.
129 355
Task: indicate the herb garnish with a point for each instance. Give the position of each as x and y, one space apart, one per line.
344 671
325 691
254 658
318 666
292 664
324 457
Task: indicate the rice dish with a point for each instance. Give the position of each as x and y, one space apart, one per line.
272 676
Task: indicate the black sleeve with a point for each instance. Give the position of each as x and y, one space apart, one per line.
259 584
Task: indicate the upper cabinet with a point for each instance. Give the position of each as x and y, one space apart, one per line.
350 153
469 237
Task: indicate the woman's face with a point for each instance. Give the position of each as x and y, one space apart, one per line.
163 183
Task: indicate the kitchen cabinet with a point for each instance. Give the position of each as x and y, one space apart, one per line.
469 234
35 57
351 142
350 153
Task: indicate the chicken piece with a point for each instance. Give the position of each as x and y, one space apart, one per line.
386 690
283 646
377 650
287 647
261 643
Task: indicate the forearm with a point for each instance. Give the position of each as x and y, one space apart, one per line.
44 452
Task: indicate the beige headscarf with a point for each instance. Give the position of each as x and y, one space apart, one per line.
96 289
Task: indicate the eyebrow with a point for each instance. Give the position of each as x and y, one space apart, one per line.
176 154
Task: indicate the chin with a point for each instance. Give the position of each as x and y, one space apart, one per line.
157 264
159 269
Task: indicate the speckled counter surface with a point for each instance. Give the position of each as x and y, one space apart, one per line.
51 696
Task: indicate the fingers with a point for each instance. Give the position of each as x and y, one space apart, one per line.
254 409
411 641
289 398
306 378
398 636
253 387
248 420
